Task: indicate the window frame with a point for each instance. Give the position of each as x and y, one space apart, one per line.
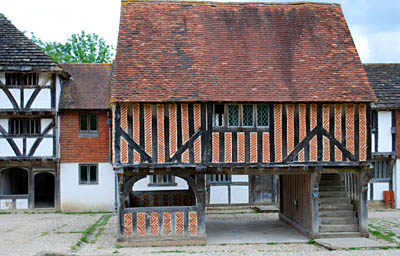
22 79
227 114
24 122
159 181
256 114
88 182
88 131
227 178
241 115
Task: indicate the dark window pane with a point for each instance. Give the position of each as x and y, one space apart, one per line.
83 173
218 115
247 115
93 173
233 113
93 123
262 115
83 125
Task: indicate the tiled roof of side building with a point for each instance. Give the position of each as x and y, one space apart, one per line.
202 51
385 81
88 88
18 53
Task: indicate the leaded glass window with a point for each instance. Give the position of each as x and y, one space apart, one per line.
262 115
248 115
233 115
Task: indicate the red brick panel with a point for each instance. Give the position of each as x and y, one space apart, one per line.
313 142
147 129
278 132
197 150
228 147
215 147
124 126
266 148
141 223
179 223
185 131
363 132
76 149
167 223
290 128
302 128
192 223
338 130
350 128
240 147
154 224
253 147
128 224
173 143
160 133
197 142
136 131
325 125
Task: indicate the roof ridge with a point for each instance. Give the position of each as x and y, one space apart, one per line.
221 3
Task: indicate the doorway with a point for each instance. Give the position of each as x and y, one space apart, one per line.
44 190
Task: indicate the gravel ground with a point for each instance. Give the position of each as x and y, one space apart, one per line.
59 234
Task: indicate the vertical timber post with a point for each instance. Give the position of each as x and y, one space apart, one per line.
201 204
120 177
363 180
315 179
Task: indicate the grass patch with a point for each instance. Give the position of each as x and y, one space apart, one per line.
89 212
45 233
5 212
311 242
271 243
119 246
385 237
173 251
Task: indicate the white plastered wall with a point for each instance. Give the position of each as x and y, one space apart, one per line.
384 131
93 197
396 183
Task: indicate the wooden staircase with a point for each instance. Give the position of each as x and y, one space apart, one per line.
336 213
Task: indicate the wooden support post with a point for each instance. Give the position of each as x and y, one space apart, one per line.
363 180
315 179
201 204
121 207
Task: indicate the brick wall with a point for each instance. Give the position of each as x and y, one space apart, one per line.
76 149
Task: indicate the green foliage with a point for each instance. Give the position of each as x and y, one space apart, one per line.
79 48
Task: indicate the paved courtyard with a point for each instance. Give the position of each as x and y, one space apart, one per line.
95 234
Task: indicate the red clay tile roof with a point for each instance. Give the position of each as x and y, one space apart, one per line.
177 51
88 87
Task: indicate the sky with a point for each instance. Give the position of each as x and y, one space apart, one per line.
374 24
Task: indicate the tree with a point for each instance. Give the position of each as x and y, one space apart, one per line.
79 48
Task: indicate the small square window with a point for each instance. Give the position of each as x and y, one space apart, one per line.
88 123
24 126
248 115
162 180
88 174
233 115
220 178
262 115
218 115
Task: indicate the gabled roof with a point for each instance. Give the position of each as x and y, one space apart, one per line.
385 81
88 87
203 51
18 53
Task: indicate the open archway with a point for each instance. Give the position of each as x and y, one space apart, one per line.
44 190
14 181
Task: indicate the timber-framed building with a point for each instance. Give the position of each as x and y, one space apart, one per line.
30 85
239 88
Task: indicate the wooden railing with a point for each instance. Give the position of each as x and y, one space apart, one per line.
383 166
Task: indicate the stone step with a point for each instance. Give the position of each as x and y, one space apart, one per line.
330 182
334 200
338 228
332 188
328 207
338 213
333 194
339 234
338 221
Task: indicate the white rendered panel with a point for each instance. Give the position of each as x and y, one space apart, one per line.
6 204
16 93
240 178
373 143
44 123
384 131
58 92
94 197
43 99
379 187
4 124
6 149
45 148
396 183
239 194
19 143
219 195
21 204
44 79
5 103
29 144
27 95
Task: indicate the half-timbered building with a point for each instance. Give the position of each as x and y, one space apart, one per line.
30 86
385 82
239 88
